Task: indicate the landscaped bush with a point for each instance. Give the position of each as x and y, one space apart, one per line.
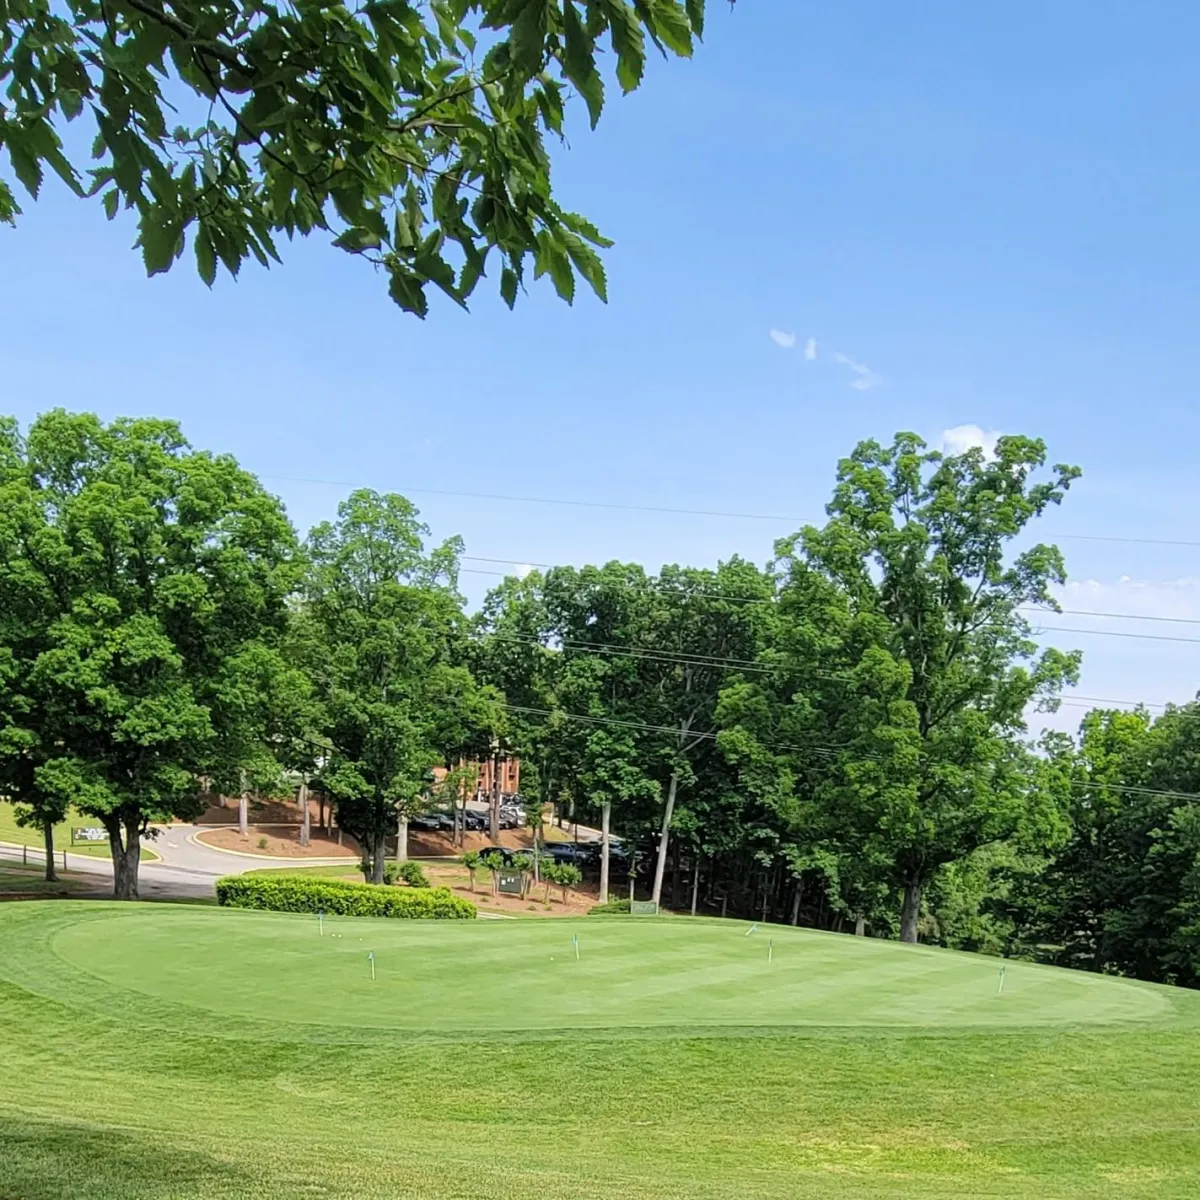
410 872
613 906
305 893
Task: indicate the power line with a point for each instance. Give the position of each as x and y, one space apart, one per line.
584 718
1074 699
725 596
686 512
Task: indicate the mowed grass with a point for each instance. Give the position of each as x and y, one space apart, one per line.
158 1051
23 835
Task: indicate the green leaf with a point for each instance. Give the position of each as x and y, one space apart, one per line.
628 43
206 257
408 291
160 242
579 51
26 167
9 208
588 264
672 25
356 239
695 12
550 259
527 38
508 286
111 199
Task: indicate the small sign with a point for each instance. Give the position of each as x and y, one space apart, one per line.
643 908
510 882
88 835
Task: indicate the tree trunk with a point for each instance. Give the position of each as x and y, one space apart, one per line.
605 813
860 925
48 837
494 803
664 838
244 813
378 853
910 911
797 898
695 881
126 856
402 839
305 818
676 848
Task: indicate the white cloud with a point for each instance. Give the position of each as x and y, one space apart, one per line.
966 437
523 570
781 338
810 349
864 378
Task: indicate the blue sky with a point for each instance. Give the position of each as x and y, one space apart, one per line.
992 212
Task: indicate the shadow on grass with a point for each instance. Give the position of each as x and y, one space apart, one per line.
44 1161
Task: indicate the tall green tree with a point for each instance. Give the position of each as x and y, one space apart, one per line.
594 614
413 132
906 661
703 629
24 627
381 633
163 572
1123 893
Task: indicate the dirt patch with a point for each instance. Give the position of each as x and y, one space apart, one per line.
274 841
262 812
456 877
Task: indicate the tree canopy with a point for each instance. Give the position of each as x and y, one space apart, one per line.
412 131
839 738
160 575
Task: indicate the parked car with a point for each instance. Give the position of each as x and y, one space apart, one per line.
426 821
473 819
581 854
511 817
503 851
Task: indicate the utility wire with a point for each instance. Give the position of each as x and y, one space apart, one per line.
686 512
739 665
773 600
648 728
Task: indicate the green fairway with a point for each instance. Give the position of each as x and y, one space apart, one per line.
673 1059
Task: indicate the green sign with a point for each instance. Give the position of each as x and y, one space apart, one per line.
91 834
509 882
643 908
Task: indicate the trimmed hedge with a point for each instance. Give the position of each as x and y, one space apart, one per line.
304 893
613 906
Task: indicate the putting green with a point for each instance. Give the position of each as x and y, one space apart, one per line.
163 1052
525 976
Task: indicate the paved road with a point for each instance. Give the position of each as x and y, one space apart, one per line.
187 868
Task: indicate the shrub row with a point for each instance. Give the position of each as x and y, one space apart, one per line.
304 893
613 906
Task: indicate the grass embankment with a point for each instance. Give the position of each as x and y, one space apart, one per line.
21 835
671 1060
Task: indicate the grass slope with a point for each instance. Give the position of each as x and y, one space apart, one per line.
23 835
671 1061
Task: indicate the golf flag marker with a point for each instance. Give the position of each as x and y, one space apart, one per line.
575 942
371 960
320 922
751 929
1000 985
770 950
